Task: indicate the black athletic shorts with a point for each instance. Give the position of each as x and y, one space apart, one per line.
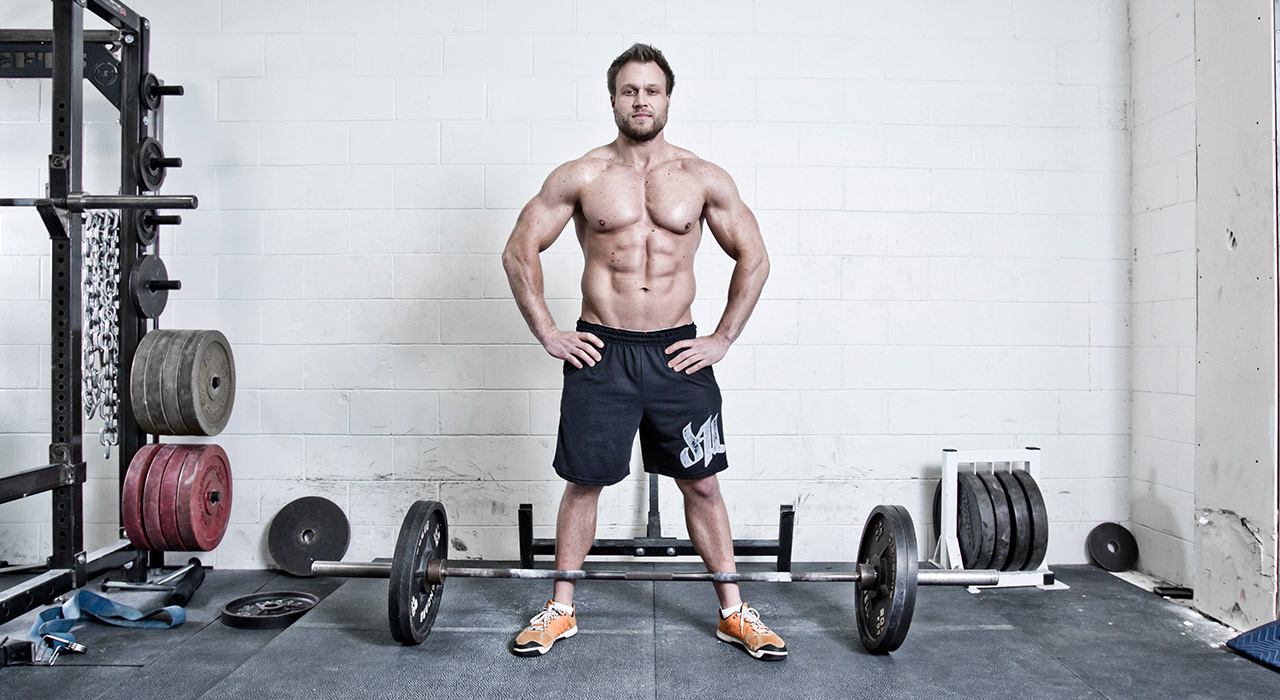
678 414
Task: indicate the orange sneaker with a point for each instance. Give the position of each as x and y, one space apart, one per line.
543 631
745 629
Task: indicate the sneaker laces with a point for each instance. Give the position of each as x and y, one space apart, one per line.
749 616
544 618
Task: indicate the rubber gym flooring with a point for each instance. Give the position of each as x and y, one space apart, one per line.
1103 638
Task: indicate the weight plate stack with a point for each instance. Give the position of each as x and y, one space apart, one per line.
177 497
183 382
1002 525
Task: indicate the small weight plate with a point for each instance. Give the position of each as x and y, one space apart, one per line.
150 173
884 609
147 91
975 521
185 458
174 374
208 392
1112 547
1020 545
144 227
1003 521
151 488
308 529
272 610
412 605
148 302
1039 520
204 499
131 495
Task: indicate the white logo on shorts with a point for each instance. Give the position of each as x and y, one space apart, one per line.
703 446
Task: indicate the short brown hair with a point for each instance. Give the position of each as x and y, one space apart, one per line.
640 53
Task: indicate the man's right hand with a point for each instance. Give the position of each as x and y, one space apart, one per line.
574 346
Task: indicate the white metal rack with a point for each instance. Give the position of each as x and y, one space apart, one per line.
947 552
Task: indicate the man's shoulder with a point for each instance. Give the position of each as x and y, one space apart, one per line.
569 177
586 166
702 169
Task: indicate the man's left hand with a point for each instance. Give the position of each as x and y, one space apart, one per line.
693 355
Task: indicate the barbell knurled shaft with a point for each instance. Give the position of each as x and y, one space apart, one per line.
925 577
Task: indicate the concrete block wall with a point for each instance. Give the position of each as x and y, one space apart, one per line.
1163 205
944 189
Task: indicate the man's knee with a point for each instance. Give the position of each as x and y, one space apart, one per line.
704 489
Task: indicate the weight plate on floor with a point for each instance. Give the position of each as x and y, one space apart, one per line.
308 529
884 610
1112 547
1039 520
131 496
173 375
204 499
151 486
412 605
975 521
1021 514
1004 521
207 392
182 460
262 611
148 302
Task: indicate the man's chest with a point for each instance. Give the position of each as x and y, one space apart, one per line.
668 198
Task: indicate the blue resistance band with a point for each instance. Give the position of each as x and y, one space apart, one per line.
89 605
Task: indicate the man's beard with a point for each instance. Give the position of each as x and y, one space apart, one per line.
631 132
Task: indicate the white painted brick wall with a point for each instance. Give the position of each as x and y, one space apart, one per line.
1162 453
944 190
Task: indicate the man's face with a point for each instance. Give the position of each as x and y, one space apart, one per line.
641 101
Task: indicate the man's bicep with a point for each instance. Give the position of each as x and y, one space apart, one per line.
731 222
546 215
540 222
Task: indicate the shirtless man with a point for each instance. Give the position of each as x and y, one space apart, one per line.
635 360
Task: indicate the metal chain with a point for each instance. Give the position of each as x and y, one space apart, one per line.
101 340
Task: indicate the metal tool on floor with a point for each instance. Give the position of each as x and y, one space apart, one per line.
189 578
56 645
886 575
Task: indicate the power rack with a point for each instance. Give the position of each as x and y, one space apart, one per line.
115 62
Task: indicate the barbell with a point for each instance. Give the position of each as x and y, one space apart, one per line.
886 575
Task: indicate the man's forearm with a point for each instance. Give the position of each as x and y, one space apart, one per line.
524 274
749 275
